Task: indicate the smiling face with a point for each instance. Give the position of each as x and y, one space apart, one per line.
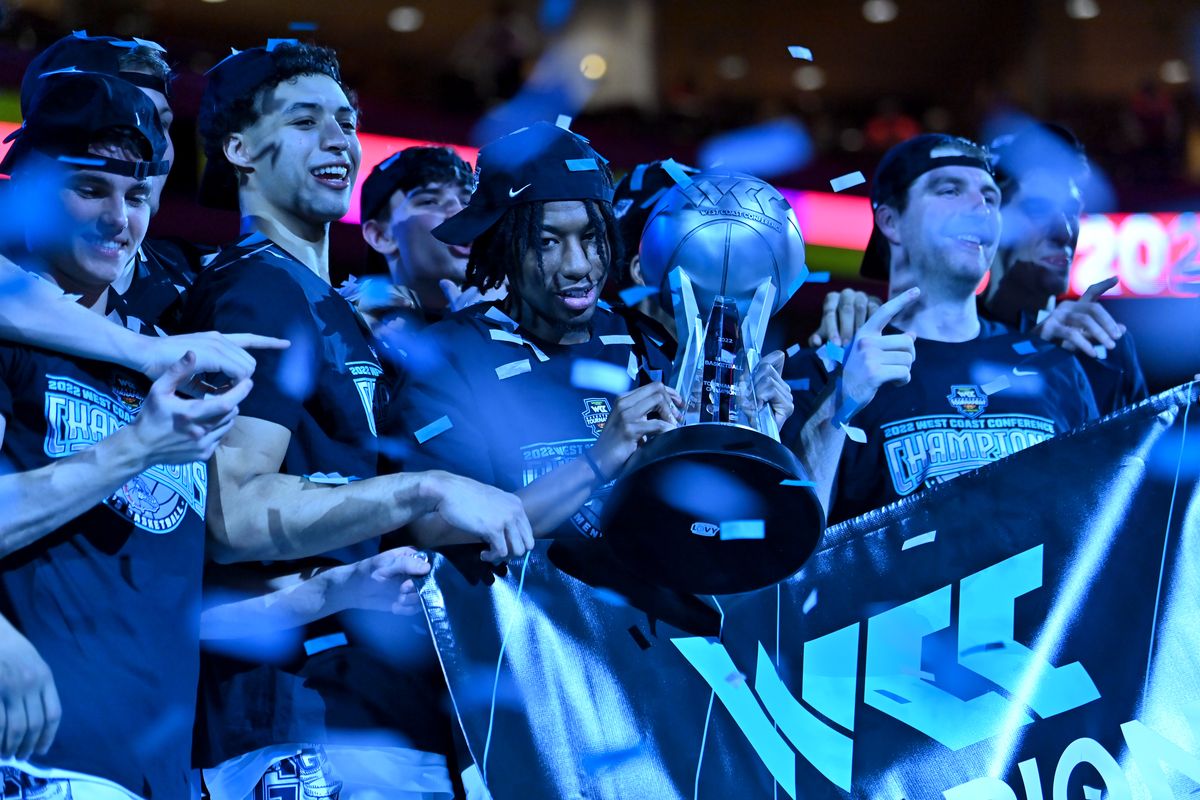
412 215
1041 229
561 275
950 229
302 154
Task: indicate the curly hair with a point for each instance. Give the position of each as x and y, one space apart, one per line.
500 250
290 61
148 60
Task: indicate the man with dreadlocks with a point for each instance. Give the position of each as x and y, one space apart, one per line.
533 395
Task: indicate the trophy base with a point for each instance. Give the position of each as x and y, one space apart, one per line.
668 517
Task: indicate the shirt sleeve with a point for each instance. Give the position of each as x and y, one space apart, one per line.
251 299
432 421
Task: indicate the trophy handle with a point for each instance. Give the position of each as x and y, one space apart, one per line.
688 329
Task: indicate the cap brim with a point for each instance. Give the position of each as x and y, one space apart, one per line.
467 225
876 258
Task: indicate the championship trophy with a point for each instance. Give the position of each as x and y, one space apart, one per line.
718 505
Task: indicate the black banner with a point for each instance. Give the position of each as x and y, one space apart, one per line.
1031 630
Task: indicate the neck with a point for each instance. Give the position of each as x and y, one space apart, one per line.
306 240
940 315
540 326
428 290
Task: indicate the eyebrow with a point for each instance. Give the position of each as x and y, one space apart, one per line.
302 105
563 231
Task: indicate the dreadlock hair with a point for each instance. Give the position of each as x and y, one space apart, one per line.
291 61
500 250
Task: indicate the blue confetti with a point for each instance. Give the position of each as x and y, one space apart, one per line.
322 643
609 597
917 541
818 277
835 352
635 180
810 602
798 384
273 43
677 172
440 425
846 181
302 26
563 121
796 51
775 147
743 529
790 482
636 294
1092 793
793 350
1025 348
582 164
600 376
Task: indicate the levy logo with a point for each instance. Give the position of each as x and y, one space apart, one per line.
970 401
771 716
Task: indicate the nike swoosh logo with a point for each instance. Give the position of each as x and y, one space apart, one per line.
512 193
1023 373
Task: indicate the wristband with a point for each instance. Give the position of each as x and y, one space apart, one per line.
591 462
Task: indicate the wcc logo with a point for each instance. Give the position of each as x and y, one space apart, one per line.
595 414
779 726
970 401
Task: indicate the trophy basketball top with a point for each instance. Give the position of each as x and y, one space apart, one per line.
730 232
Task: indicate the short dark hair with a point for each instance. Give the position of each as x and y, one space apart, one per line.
291 60
426 165
499 251
148 60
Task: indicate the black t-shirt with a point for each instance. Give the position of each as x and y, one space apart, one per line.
509 431
323 390
954 416
163 272
111 599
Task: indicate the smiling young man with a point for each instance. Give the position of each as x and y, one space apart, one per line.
978 391
297 478
101 545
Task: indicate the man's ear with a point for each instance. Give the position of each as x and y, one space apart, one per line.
635 271
237 152
378 237
887 219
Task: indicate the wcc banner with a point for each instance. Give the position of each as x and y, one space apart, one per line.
1030 630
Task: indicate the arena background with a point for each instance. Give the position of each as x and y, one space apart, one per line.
707 81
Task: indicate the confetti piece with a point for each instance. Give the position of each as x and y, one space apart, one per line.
431 430
631 368
273 43
563 122
790 482
652 199
323 643
791 351
818 277
835 352
600 376
1101 352
735 677
639 175
798 384
854 434
810 602
609 597
1024 348
155 45
639 637
677 173
1042 316
513 368
302 26
1092 793
500 318
512 338
998 385
796 51
847 181
743 529
582 164
616 338
917 541
330 479
636 294
945 151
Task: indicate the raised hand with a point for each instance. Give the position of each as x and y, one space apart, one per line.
1081 325
646 411
875 358
843 314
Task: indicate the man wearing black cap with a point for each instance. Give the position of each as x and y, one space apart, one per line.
1041 171
533 395
297 477
100 605
404 198
977 392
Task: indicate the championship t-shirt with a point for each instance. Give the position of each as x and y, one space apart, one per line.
968 404
110 600
487 399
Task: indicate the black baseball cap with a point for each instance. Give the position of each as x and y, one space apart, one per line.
101 54
68 109
408 169
899 167
635 196
538 163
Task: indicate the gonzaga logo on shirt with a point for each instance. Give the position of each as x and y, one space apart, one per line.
78 416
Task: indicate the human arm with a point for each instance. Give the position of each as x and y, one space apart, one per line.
36 312
381 583
842 314
256 513
30 710
168 430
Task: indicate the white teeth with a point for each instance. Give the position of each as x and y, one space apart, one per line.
335 173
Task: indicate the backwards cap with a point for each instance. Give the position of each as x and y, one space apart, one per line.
69 108
85 53
900 166
539 163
